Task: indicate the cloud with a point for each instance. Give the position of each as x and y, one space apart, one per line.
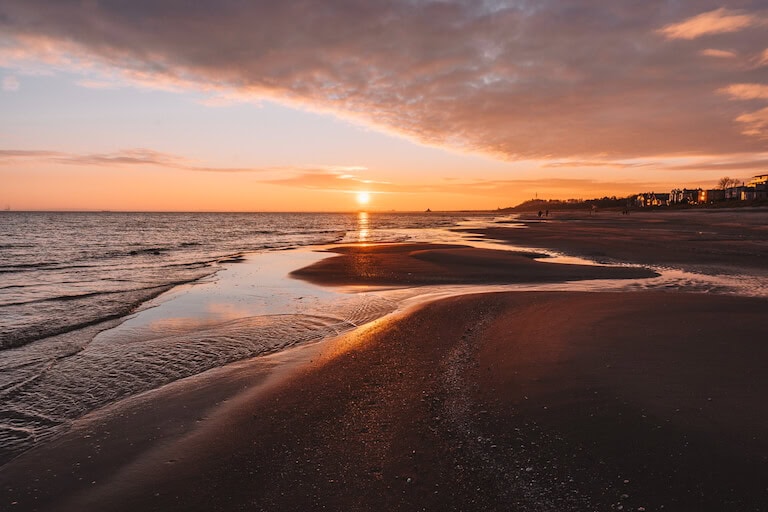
746 91
762 59
11 84
720 54
596 163
142 157
318 179
332 178
756 123
7 155
746 164
129 157
718 21
520 79
122 158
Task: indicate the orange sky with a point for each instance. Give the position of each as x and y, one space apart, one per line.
441 105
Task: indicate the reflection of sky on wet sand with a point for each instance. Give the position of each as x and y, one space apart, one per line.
257 286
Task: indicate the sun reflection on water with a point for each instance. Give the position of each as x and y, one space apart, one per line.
363 232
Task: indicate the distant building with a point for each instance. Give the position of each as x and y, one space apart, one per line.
684 196
761 190
755 189
648 199
711 196
734 193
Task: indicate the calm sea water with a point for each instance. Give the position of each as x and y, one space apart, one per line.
66 277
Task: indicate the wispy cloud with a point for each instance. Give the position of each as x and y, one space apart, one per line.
762 59
596 163
524 79
142 157
718 21
746 91
720 54
318 179
743 164
7 155
125 157
756 123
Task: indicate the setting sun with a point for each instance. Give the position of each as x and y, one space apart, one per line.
363 197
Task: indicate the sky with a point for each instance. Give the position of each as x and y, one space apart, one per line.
304 105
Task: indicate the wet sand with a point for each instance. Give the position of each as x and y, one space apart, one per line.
521 401
503 401
708 240
421 264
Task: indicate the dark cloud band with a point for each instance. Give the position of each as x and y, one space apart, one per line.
518 79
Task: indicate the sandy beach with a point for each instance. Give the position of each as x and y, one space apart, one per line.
498 401
696 239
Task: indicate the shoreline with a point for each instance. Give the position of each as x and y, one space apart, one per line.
425 406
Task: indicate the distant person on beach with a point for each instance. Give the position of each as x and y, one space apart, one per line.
546 213
539 213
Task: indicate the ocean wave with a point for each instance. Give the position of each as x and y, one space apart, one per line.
19 335
149 250
29 321
88 295
16 267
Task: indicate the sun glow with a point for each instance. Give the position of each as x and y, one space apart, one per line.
363 198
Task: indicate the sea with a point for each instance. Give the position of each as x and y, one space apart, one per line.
71 284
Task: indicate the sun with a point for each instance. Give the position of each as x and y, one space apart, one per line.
363 198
